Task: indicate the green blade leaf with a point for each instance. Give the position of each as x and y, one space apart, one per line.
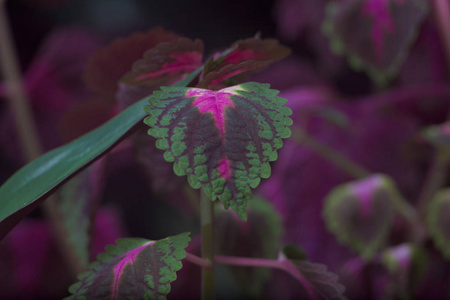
133 269
360 213
19 195
222 140
438 221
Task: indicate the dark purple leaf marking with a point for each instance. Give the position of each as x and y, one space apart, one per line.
222 140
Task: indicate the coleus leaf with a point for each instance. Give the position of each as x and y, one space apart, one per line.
360 213
78 200
133 269
162 65
259 237
438 221
313 276
222 140
23 191
374 34
243 58
111 62
164 61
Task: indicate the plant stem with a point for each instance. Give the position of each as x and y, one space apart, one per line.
434 180
255 262
442 13
207 219
336 158
28 135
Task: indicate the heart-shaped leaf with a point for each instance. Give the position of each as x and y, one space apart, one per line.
133 269
314 277
243 58
222 140
438 220
374 34
259 237
360 213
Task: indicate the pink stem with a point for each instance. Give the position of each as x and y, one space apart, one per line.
257 262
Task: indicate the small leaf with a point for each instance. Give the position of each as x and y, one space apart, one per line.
221 140
259 237
374 34
438 220
360 213
169 59
133 269
110 63
322 281
78 201
243 58
164 64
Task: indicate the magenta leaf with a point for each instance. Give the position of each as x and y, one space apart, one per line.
222 140
110 63
244 57
360 213
78 200
133 269
438 220
259 237
374 34
314 277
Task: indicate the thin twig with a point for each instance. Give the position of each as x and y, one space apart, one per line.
328 153
207 220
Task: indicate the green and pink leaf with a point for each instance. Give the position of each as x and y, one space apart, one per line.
360 213
374 34
222 140
133 269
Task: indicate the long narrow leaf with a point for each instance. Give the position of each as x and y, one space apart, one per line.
23 191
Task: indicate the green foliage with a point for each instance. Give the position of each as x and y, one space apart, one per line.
134 268
360 213
223 141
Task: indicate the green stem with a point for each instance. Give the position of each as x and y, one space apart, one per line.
336 158
207 219
434 180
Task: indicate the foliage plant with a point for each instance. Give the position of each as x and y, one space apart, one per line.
200 118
